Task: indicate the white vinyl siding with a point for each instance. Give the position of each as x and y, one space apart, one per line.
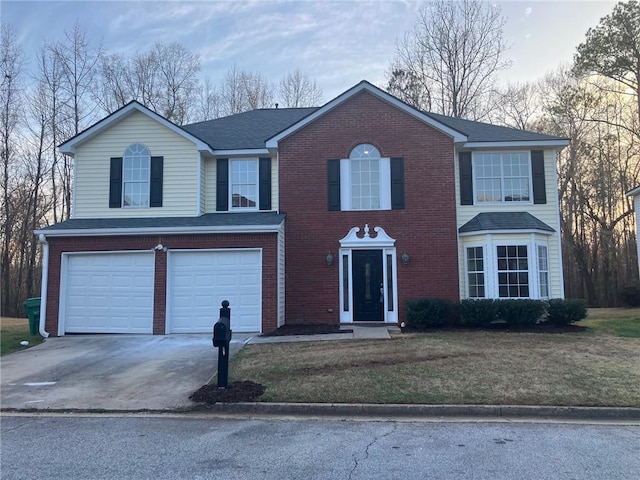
210 179
180 173
547 213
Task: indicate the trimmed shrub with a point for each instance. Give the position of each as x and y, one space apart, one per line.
478 313
428 312
520 311
562 311
630 295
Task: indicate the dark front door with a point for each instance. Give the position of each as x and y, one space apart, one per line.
368 294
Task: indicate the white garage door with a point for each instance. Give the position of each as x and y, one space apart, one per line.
109 293
200 280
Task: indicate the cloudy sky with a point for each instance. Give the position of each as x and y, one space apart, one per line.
338 43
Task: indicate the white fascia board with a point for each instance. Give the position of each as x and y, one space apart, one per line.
493 232
365 86
69 147
633 193
522 144
247 152
102 232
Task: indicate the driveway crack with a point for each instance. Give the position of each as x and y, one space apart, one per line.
366 450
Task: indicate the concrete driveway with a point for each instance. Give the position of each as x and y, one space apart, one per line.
112 372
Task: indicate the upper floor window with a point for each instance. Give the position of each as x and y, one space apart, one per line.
135 179
365 178
502 177
136 170
244 184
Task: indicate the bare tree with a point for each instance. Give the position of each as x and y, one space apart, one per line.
517 105
114 91
298 90
208 104
176 70
164 79
11 104
600 164
452 56
242 91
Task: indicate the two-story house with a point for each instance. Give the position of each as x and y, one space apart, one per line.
336 214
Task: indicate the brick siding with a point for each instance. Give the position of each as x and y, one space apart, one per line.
268 243
425 229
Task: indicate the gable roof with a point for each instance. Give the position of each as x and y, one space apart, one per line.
634 192
69 147
505 221
381 94
261 129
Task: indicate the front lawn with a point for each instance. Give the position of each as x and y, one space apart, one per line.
12 332
596 367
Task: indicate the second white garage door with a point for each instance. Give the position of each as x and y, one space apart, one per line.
198 281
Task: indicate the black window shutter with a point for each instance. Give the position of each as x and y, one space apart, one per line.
333 184
397 183
222 185
155 189
115 183
264 183
466 178
537 173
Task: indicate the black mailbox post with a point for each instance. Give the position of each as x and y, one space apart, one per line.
221 340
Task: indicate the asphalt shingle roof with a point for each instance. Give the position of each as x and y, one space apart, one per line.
206 220
246 130
251 129
485 132
504 221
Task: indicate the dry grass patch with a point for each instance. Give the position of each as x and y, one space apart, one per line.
460 367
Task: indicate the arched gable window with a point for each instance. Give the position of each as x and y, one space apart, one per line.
365 177
136 171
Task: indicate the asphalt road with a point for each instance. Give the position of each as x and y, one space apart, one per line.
202 447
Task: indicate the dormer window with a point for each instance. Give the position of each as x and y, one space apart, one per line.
136 170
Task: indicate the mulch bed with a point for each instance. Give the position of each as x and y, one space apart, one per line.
502 327
313 329
245 391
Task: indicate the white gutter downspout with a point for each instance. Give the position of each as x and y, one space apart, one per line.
45 278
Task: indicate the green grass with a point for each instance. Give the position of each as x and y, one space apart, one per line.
11 336
628 327
599 366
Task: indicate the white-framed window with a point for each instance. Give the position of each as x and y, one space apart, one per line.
243 184
475 272
365 180
365 177
136 172
500 177
543 271
507 268
513 271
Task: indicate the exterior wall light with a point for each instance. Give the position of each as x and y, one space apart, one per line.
329 259
405 258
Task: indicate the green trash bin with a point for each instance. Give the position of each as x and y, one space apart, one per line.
32 305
